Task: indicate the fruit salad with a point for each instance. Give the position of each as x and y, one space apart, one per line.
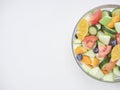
96 44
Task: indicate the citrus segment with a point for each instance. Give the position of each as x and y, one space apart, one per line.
82 28
115 54
80 50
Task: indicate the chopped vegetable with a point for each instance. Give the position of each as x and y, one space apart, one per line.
109 30
109 34
104 50
116 70
93 30
117 27
95 17
109 66
77 41
109 77
105 20
98 26
85 67
116 11
90 41
103 63
106 13
96 72
104 39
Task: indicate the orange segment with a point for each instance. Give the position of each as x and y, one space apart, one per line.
114 20
82 28
80 50
111 24
86 60
115 54
95 62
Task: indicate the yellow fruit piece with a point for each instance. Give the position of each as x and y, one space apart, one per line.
86 60
82 24
82 28
80 50
96 62
113 21
115 54
111 24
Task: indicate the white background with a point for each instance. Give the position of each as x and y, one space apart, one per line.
35 45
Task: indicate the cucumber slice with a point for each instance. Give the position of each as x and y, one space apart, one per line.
85 67
105 20
118 62
90 53
109 77
117 27
109 30
116 71
76 45
106 13
98 26
109 34
100 33
96 72
93 30
103 38
100 43
103 63
76 41
116 11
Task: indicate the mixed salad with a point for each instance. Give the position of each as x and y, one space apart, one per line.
96 44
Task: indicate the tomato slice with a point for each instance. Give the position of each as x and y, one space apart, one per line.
90 41
110 66
104 51
95 17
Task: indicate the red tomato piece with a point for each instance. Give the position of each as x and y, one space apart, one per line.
90 41
95 17
104 51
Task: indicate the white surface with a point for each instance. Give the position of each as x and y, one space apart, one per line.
35 45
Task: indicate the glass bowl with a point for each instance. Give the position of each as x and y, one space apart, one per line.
93 71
